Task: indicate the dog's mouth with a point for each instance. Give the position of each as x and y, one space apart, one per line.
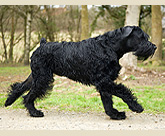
145 51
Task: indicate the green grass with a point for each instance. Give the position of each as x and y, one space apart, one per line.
72 96
152 99
14 71
151 67
132 77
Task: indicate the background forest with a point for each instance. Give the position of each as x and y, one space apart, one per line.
21 27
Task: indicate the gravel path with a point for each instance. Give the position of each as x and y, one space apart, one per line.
53 120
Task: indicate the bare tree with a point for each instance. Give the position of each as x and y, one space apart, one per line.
3 10
12 37
84 22
27 12
8 23
28 36
157 33
132 18
46 22
73 18
14 19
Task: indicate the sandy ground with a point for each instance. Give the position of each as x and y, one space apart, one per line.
53 120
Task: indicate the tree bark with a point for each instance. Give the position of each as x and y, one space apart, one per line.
3 35
28 37
12 38
49 23
132 19
157 33
84 22
71 23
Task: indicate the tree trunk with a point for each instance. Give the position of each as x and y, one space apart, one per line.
28 37
132 19
25 22
78 25
71 23
84 23
157 33
12 38
50 25
3 35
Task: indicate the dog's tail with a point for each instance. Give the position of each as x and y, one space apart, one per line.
17 89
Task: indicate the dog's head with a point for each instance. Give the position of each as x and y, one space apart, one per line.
136 40
133 39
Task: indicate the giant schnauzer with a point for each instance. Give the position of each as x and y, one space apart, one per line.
94 61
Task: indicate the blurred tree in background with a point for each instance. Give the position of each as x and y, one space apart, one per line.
157 33
84 23
8 25
29 11
113 16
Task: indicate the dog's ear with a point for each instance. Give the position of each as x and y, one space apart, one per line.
42 41
126 31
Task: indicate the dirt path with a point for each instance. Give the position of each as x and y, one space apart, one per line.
53 120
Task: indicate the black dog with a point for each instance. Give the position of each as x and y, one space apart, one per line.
94 61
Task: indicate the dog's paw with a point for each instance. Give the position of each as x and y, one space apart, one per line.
118 116
36 113
8 102
137 108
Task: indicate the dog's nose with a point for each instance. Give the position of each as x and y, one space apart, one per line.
155 47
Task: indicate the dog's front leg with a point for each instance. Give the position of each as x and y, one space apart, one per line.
107 88
108 106
126 95
104 87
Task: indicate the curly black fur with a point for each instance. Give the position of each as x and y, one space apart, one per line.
17 89
94 61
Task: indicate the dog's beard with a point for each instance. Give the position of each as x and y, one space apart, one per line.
145 51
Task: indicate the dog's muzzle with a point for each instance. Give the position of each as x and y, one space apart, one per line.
145 50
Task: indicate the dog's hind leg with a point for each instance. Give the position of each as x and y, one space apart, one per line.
29 104
42 78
